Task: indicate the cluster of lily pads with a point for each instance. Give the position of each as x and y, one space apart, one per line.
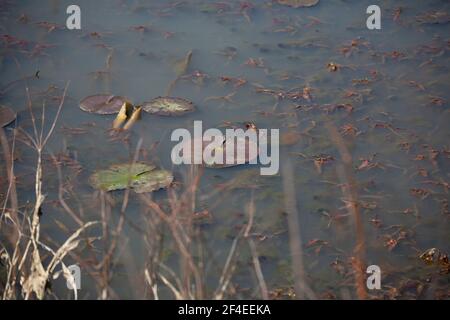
128 114
111 104
139 177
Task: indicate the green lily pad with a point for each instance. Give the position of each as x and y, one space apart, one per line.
298 3
140 177
7 115
168 106
102 104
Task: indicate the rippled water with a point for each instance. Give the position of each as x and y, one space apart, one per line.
388 99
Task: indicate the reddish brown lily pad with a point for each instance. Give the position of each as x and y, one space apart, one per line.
298 3
102 104
7 115
168 106
238 158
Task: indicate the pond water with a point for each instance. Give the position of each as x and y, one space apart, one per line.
308 72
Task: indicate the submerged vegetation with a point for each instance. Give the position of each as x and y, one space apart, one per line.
363 118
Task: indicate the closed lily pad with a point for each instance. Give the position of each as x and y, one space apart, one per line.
7 115
298 3
102 104
140 177
168 106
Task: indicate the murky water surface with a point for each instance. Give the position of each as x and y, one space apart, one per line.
387 96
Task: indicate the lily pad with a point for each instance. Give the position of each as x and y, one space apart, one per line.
140 177
102 104
168 106
242 145
7 115
298 3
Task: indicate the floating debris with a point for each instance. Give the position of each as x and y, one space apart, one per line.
140 177
244 125
168 106
313 42
298 3
7 115
435 256
434 17
102 104
333 67
430 256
